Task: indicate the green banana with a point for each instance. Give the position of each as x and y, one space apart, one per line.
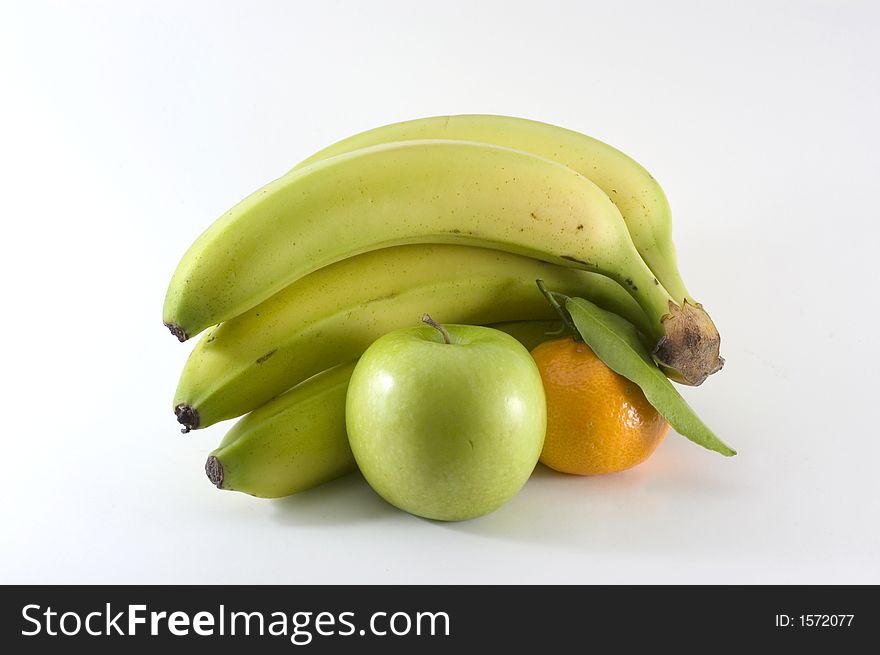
290 444
425 191
630 187
298 440
335 313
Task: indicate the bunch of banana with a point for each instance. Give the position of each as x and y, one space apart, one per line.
456 216
333 314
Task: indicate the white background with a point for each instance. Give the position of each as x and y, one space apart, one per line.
127 127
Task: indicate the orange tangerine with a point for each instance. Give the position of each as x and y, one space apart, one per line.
597 421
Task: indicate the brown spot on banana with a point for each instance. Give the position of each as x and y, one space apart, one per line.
262 359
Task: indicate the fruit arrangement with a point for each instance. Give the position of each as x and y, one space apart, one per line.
507 232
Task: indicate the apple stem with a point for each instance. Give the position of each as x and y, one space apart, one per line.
563 313
434 324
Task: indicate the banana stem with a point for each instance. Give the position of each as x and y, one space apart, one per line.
686 342
689 352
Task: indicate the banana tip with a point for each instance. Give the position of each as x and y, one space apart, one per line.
177 331
214 471
187 416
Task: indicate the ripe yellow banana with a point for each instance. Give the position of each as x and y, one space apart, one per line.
630 187
333 315
298 440
426 192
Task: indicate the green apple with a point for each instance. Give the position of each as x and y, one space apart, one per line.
446 423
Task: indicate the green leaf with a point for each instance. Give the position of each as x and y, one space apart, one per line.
616 342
